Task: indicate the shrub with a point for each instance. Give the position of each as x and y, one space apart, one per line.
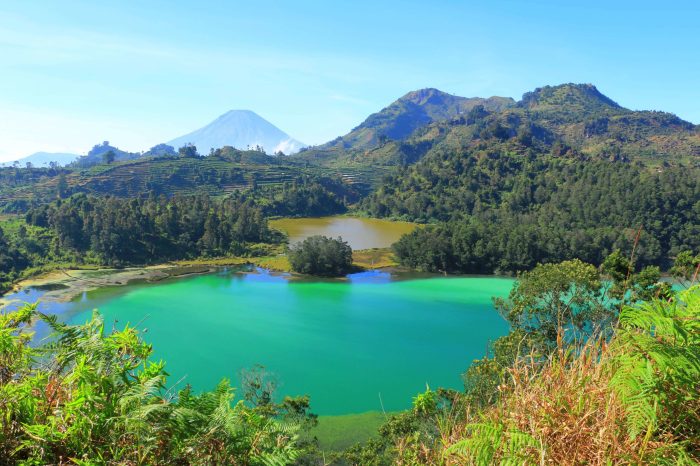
91 396
320 255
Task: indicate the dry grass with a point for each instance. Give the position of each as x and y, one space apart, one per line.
564 413
279 263
216 261
374 258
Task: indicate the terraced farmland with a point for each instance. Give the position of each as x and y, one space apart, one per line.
169 176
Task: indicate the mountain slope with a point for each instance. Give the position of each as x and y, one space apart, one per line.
240 129
414 110
43 159
573 120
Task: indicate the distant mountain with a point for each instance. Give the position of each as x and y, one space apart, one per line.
43 159
414 110
241 129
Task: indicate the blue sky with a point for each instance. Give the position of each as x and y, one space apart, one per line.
136 73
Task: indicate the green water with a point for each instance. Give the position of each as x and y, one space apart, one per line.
347 344
360 233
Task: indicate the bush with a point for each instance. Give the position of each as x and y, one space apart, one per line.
320 255
91 396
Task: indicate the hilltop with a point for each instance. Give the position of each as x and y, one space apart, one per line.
414 110
574 119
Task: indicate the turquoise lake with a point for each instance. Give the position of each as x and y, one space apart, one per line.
363 344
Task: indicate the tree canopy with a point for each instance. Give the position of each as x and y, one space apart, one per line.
320 255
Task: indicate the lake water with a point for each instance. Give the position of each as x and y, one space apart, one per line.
360 233
362 344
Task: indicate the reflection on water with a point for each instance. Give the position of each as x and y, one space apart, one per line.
31 295
370 276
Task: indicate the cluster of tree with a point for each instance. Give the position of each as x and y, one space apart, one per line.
12 262
308 198
138 231
320 255
505 247
507 212
19 176
94 396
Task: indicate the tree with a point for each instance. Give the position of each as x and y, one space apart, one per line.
188 150
108 157
61 186
320 255
557 300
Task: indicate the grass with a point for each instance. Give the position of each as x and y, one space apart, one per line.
216 261
336 433
632 399
374 258
279 263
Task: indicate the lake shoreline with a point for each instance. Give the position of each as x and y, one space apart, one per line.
64 285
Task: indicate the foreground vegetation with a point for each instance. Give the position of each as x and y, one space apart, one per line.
92 396
588 375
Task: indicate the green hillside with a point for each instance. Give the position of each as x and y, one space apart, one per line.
221 173
574 120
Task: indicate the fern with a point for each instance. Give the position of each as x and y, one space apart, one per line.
656 359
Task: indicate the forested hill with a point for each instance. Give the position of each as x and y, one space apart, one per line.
565 173
571 120
222 172
402 118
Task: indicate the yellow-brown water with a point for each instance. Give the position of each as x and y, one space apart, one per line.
360 233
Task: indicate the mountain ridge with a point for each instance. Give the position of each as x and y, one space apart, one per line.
44 159
410 112
576 118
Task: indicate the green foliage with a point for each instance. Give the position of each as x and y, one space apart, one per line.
556 301
93 397
188 151
657 365
506 212
319 255
12 261
491 443
426 403
628 286
686 267
120 232
309 198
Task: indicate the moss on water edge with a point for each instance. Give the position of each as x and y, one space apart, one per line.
337 433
